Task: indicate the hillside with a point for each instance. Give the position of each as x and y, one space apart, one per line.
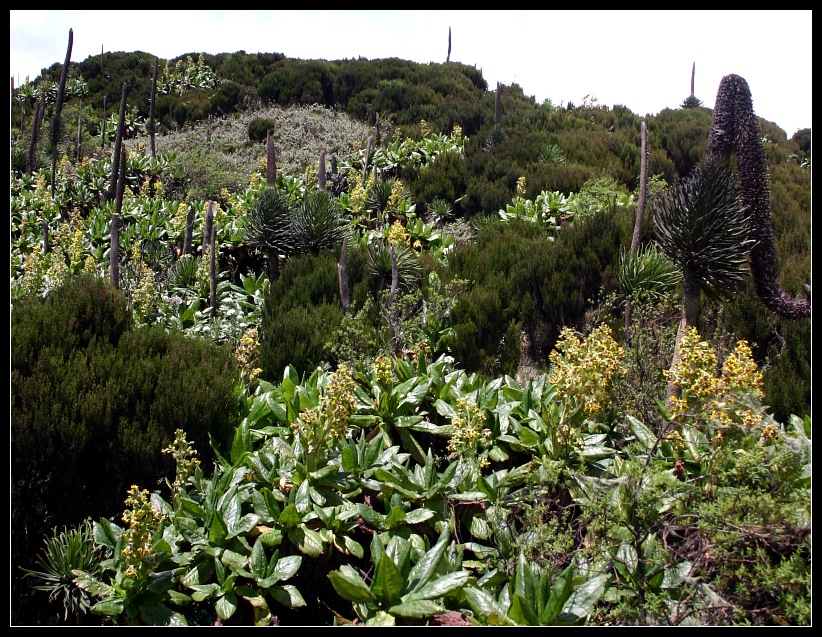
461 252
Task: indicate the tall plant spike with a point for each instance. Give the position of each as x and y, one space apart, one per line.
271 160
58 107
640 211
448 57
212 253
735 128
118 142
152 108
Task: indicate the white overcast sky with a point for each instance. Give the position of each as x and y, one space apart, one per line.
638 59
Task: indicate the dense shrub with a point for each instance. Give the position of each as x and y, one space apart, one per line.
519 277
259 127
93 402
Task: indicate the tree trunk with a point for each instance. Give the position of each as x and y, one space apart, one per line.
640 213
189 230
80 134
118 143
152 108
213 257
114 259
392 301
208 224
342 275
58 107
271 160
103 124
321 171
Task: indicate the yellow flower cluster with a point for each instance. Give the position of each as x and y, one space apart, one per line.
584 372
425 129
143 521
203 276
146 294
329 419
185 458
468 430
310 174
179 219
246 355
396 194
721 399
35 270
456 132
359 192
383 369
521 187
398 235
255 180
68 242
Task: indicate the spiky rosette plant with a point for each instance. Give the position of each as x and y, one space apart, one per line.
701 225
735 128
270 227
319 224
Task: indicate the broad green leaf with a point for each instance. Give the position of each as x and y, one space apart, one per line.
257 561
109 607
106 533
203 592
417 609
676 574
349 459
480 528
560 592
226 606
160 615
529 438
371 517
353 547
287 595
415 516
486 606
643 434
422 572
287 566
290 518
388 583
271 539
349 585
92 584
582 601
233 560
440 586
396 518
302 501
307 540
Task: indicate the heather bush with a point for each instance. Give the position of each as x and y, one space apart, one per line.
93 401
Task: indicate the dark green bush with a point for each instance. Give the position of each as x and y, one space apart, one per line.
94 402
521 278
259 127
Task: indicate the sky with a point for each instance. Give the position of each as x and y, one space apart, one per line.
639 59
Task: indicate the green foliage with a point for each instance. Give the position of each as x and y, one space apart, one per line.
92 397
258 128
702 226
64 552
520 277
